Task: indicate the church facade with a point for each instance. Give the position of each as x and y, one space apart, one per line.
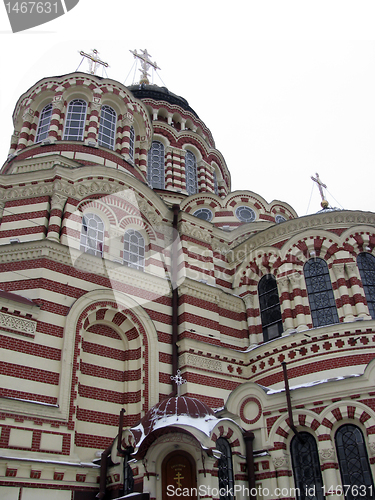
162 335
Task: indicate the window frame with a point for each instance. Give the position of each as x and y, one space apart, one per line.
319 311
366 276
81 120
299 467
107 127
347 474
264 295
191 173
93 244
225 469
156 165
44 124
140 255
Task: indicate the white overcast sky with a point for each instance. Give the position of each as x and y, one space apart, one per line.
286 87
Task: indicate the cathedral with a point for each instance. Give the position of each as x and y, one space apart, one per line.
162 335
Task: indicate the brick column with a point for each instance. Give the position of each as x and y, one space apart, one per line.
179 181
93 119
285 305
357 290
28 118
56 126
127 122
298 301
14 142
202 182
249 304
347 310
168 168
283 474
143 156
329 468
55 218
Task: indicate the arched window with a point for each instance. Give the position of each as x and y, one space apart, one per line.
92 235
353 461
44 123
191 173
131 143
155 173
134 250
107 127
366 266
225 472
319 289
75 120
270 307
306 467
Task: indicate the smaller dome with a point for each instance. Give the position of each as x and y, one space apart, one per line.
172 409
187 414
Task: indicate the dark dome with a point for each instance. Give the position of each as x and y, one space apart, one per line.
142 91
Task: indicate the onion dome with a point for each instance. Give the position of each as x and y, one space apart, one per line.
182 413
141 91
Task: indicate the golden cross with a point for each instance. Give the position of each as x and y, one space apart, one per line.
316 179
178 478
145 64
93 61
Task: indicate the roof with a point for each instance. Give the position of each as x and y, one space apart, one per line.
142 91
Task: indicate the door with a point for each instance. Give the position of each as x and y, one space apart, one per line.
179 477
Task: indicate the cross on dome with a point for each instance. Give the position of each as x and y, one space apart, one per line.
179 381
146 63
93 61
320 184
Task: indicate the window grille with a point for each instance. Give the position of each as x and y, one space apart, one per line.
245 214
191 173
92 235
225 472
44 123
354 464
204 214
134 250
155 173
320 293
131 143
306 467
107 127
366 266
75 120
270 311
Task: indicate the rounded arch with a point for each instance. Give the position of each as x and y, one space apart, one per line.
118 302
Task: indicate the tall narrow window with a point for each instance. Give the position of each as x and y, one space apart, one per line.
155 173
366 266
191 173
92 235
44 123
131 143
270 311
134 250
306 467
216 186
225 472
354 465
75 120
107 127
319 289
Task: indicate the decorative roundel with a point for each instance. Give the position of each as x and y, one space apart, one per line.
204 214
251 410
279 218
245 214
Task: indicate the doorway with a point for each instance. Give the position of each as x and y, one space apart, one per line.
179 476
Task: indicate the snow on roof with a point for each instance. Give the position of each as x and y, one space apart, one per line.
311 384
